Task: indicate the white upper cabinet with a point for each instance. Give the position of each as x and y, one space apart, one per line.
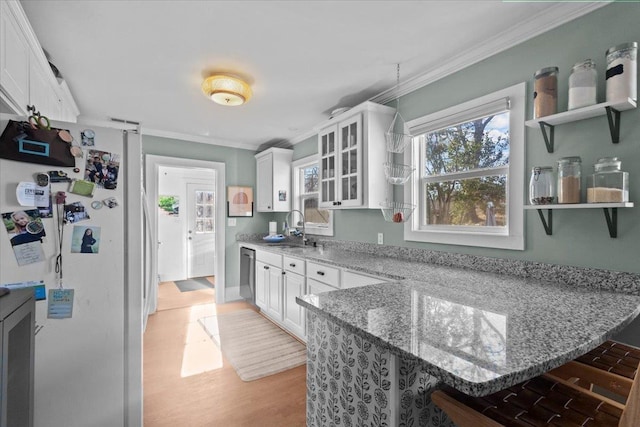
273 174
14 62
352 153
25 75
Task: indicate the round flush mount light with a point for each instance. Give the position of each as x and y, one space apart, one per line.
226 90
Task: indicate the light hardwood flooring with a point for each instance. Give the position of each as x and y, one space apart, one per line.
189 383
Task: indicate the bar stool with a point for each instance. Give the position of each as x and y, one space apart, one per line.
553 399
619 360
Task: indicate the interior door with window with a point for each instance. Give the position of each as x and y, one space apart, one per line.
201 237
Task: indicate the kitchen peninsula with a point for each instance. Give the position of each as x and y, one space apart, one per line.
376 353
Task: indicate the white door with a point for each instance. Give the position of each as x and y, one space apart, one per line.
201 236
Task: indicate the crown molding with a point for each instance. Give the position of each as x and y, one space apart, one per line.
196 138
540 23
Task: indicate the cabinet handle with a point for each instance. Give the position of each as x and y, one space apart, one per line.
335 203
284 272
320 273
292 265
266 267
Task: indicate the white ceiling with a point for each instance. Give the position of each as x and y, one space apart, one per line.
145 60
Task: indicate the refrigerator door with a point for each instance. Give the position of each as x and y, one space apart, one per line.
91 351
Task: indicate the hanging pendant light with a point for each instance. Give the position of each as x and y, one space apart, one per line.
226 90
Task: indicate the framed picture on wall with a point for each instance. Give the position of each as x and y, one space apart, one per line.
239 201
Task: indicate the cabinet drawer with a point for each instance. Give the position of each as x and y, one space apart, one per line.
269 258
324 273
351 279
294 265
315 287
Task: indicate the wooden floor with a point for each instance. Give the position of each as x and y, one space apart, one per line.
189 383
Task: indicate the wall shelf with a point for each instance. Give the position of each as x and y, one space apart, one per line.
610 213
610 109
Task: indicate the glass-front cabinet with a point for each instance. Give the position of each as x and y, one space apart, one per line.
341 160
352 151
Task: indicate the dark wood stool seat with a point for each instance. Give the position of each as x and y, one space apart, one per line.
614 357
556 399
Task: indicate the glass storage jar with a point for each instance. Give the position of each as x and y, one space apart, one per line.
622 70
542 186
608 184
569 179
582 84
545 92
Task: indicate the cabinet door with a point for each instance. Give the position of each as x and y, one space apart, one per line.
350 161
294 314
274 295
262 280
327 147
315 287
265 183
355 280
14 61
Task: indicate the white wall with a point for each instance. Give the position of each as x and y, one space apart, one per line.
79 362
172 259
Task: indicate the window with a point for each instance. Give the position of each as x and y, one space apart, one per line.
469 180
305 197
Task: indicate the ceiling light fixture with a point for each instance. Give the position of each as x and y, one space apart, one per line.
226 90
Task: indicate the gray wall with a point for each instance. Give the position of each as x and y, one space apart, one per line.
580 237
240 170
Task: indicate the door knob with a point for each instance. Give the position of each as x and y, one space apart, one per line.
190 238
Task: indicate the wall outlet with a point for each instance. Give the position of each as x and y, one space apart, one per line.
380 238
231 222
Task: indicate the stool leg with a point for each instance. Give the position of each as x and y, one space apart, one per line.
460 413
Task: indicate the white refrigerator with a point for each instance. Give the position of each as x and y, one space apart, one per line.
87 366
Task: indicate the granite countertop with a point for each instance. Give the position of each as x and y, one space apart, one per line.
477 331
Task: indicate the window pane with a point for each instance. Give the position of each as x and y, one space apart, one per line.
476 144
310 179
345 163
468 202
312 214
354 134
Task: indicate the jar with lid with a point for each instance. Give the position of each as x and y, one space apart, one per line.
542 186
569 175
608 184
545 92
622 69
582 84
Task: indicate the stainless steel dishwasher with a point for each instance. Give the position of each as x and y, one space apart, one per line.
248 274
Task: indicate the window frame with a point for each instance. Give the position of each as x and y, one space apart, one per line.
298 196
509 237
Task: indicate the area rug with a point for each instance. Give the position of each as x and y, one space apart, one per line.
254 346
193 284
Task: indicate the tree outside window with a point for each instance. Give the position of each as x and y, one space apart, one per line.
465 172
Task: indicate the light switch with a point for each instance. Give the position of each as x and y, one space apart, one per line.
231 222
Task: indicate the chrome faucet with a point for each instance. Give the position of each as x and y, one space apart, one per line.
287 228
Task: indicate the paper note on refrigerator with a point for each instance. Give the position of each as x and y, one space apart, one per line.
31 194
60 304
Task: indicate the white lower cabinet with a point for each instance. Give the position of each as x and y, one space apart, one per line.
262 280
294 314
281 279
316 287
352 279
274 293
